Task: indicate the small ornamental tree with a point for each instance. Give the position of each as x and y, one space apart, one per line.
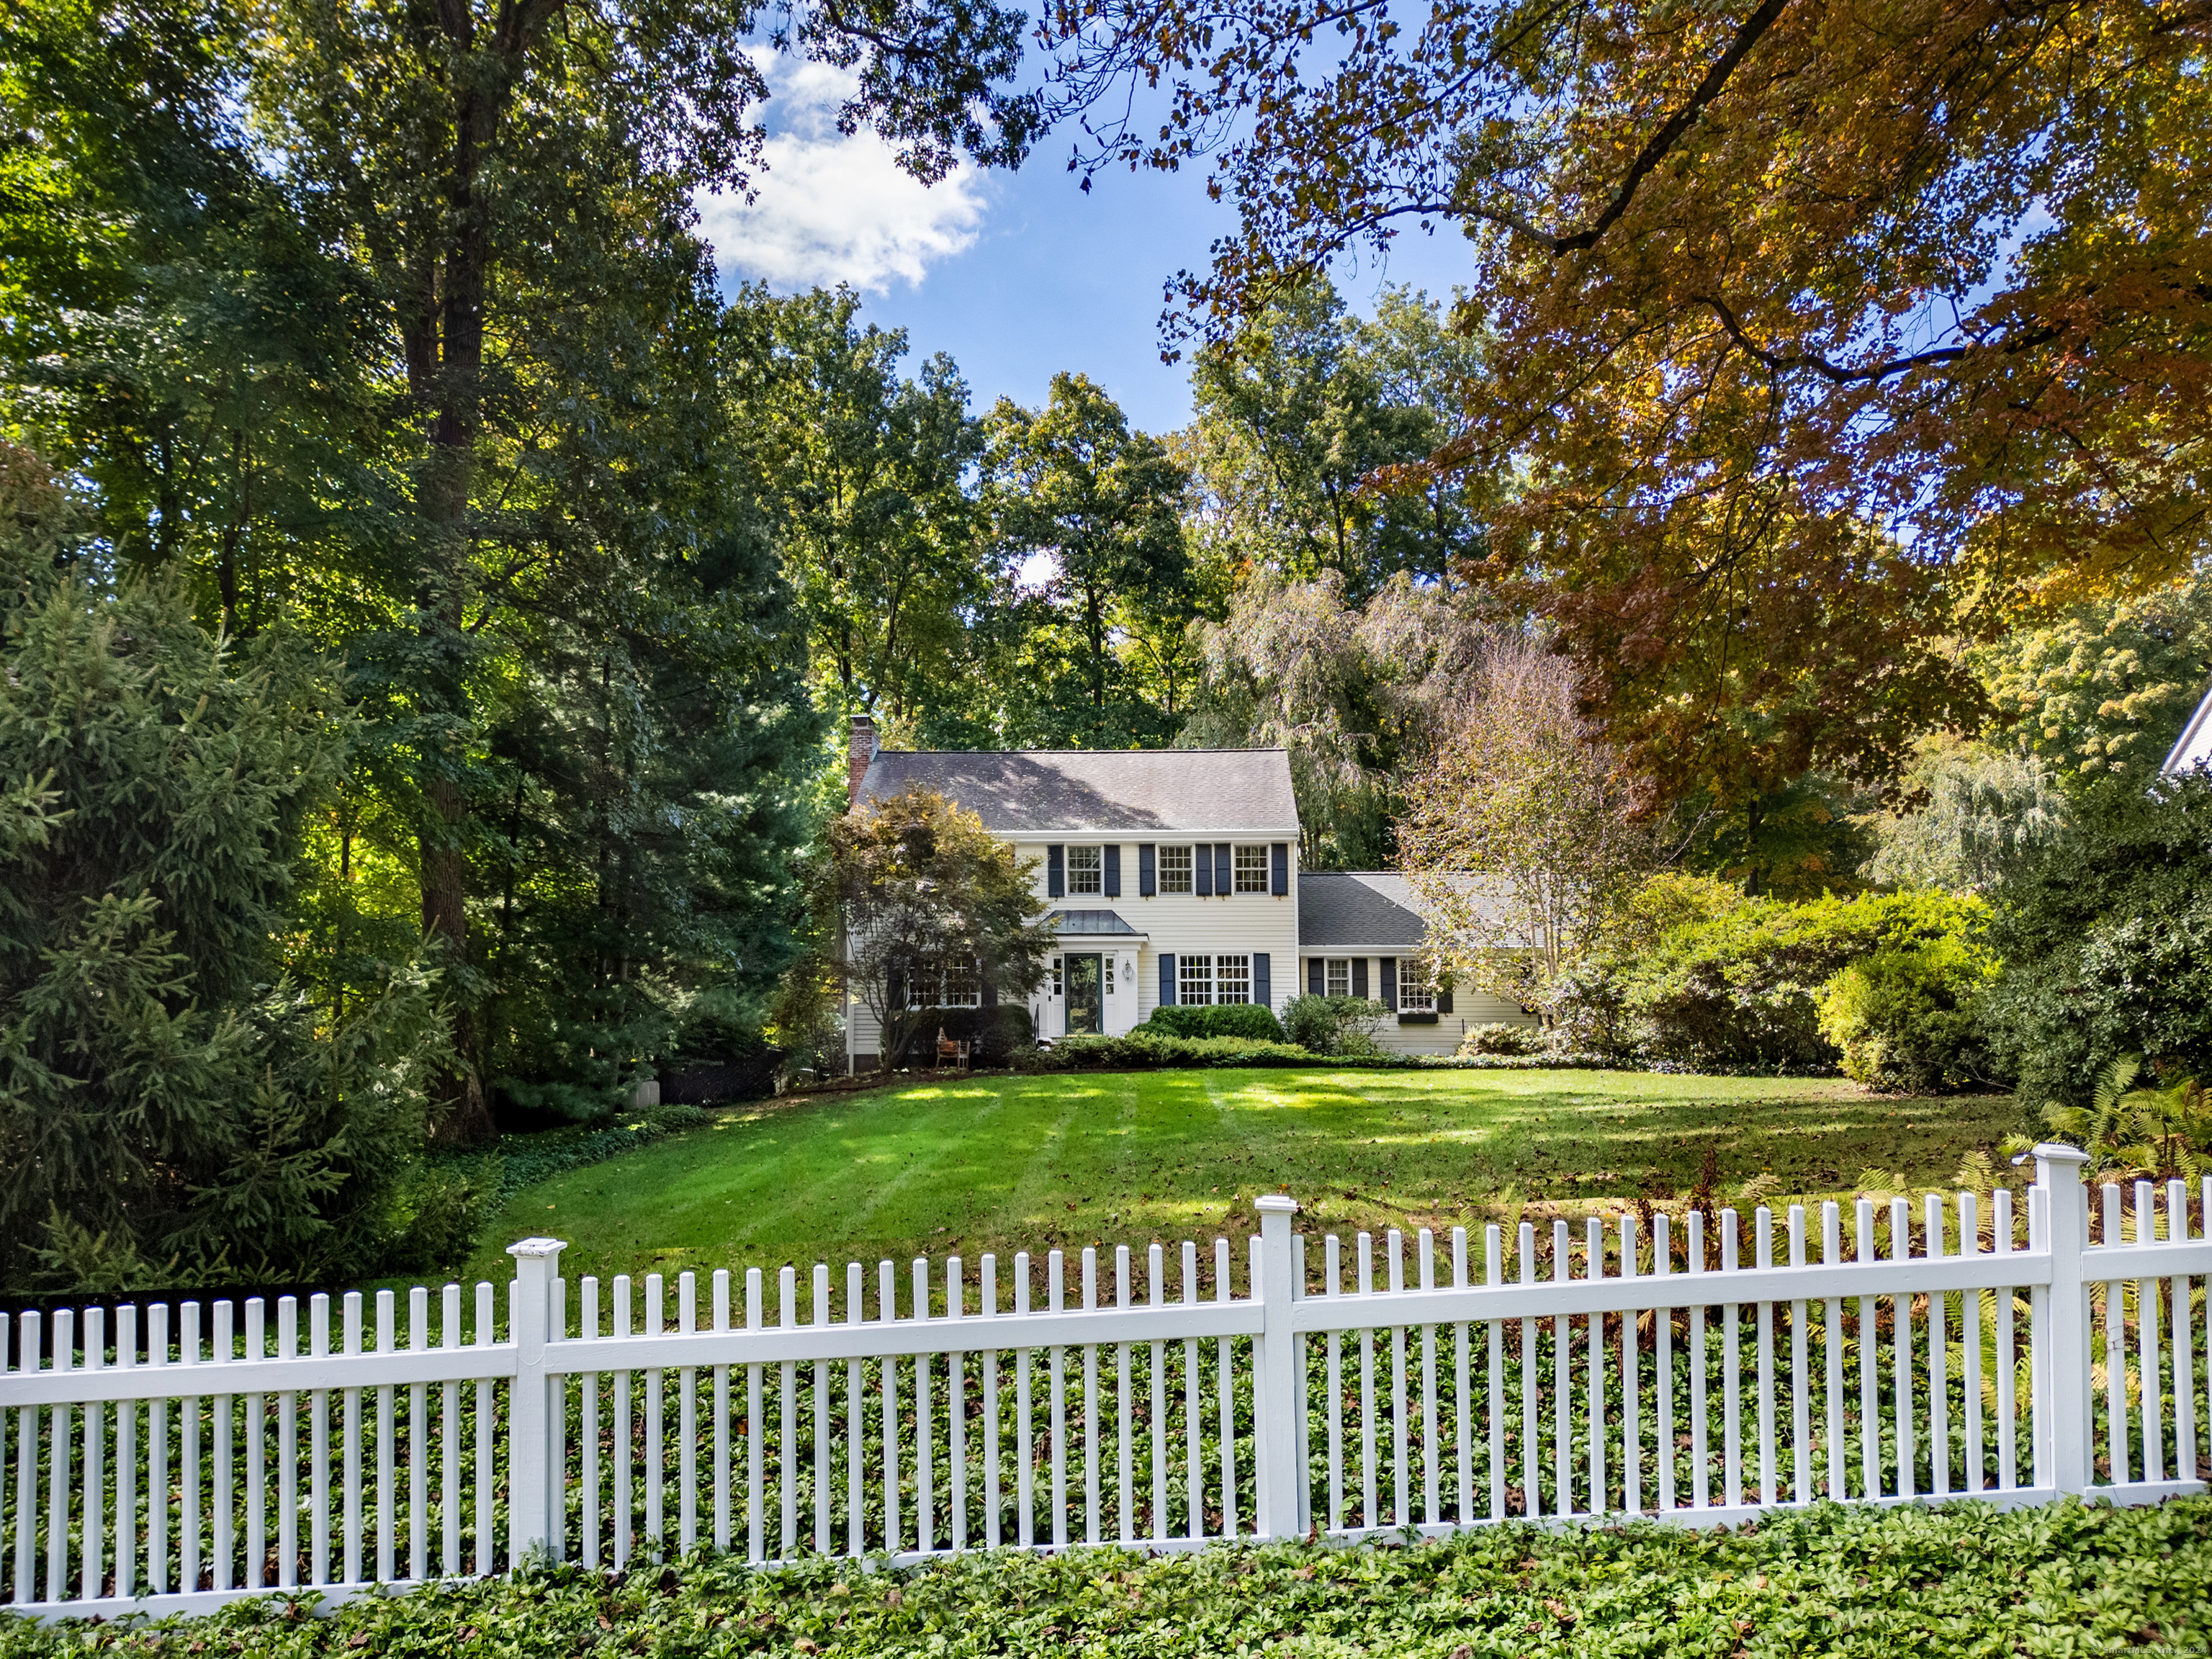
920 889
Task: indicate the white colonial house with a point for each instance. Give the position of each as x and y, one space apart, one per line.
1172 876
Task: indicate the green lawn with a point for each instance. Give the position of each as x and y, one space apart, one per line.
1010 1163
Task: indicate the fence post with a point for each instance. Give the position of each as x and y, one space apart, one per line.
2062 1325
532 1481
1276 1367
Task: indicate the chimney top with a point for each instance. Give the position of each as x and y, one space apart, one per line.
859 750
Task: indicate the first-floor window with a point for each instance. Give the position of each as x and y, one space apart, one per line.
1109 975
1233 979
938 982
1417 993
1194 979
1338 976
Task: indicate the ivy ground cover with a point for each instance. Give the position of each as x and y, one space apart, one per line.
1965 1580
963 1164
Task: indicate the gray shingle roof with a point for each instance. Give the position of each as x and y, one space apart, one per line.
1340 908
1371 909
1166 791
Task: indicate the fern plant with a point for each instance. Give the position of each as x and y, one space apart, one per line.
2149 1133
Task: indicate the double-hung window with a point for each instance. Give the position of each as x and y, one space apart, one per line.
1194 979
1086 869
1417 991
1251 869
1337 977
1233 979
1175 870
938 983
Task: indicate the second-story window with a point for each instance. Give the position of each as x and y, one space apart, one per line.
1175 869
1086 869
1251 869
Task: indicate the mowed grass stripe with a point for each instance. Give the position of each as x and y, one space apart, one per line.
999 1162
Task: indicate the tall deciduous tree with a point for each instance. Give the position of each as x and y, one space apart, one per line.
1823 334
871 479
1073 487
394 325
1302 408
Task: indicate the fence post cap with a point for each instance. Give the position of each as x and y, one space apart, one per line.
531 1248
2057 1152
1275 1204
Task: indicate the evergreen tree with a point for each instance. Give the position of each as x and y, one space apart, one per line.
171 1108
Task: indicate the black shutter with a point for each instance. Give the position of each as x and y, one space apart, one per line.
1359 976
1314 981
1202 871
1279 869
988 987
1055 871
1443 999
895 984
1167 981
1113 882
1223 882
1389 998
1147 871
1263 987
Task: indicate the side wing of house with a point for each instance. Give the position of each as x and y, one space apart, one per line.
1358 934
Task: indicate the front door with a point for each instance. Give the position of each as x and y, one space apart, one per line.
1085 1009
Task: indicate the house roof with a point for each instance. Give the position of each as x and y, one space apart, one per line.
1081 790
1364 910
2194 746
1340 908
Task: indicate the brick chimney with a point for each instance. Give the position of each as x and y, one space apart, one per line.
859 750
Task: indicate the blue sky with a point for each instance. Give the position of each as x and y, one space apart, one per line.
1015 275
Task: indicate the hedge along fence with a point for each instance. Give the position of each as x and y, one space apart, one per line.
1347 1388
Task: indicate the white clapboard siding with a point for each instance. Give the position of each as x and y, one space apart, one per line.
1710 1368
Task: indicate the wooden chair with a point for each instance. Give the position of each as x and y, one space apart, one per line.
952 1048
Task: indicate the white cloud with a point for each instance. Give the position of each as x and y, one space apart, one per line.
830 209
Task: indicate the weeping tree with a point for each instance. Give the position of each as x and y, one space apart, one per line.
170 1107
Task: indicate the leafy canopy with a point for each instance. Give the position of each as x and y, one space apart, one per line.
1821 334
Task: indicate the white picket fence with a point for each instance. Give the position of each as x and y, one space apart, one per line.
179 1461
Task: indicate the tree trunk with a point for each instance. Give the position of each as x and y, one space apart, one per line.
460 1113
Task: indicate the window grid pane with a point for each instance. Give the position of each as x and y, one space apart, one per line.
1251 869
1085 869
1233 979
1194 979
1175 869
1340 976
